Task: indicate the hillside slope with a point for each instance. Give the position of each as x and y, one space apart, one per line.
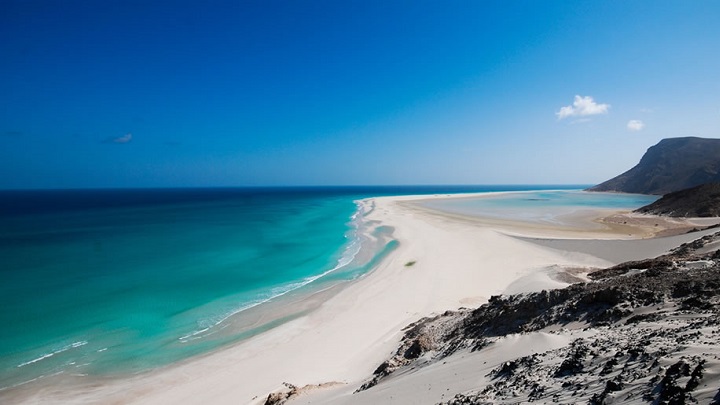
700 201
673 164
642 332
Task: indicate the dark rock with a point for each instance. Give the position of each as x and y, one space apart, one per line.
654 295
669 389
507 369
536 391
673 164
699 201
573 363
658 263
383 368
642 318
279 398
610 386
609 366
418 347
614 385
635 352
695 376
696 302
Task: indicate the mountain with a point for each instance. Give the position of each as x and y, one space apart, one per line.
673 164
700 201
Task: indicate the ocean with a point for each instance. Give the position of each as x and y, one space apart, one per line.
106 283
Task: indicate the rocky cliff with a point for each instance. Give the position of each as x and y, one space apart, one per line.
673 164
700 201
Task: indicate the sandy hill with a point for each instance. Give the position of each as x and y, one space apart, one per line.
642 332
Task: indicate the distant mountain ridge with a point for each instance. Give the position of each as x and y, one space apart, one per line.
673 164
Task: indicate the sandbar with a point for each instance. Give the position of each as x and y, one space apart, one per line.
443 262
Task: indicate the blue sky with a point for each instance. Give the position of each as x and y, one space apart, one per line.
242 93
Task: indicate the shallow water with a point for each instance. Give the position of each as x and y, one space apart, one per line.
110 282
548 207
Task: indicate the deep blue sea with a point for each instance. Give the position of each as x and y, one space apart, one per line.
111 282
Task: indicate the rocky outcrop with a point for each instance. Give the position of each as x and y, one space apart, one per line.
700 201
428 338
673 164
291 391
280 397
647 332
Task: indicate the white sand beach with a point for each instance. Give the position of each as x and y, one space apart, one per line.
443 262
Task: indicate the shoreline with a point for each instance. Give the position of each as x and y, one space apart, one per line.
575 223
456 262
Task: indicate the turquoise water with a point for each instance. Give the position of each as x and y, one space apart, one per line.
110 282
547 206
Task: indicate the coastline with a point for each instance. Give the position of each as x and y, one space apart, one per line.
458 262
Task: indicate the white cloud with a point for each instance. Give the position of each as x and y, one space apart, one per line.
123 139
635 125
582 106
